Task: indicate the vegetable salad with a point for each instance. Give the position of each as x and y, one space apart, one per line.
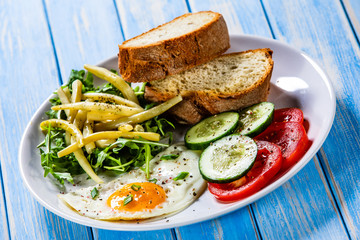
107 128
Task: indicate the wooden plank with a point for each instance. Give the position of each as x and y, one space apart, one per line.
240 16
84 33
236 225
148 235
144 15
300 24
28 75
134 22
251 18
89 32
55 45
352 8
4 228
294 212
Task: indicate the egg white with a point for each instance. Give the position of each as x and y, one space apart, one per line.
179 194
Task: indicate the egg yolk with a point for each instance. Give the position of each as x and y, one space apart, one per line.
135 197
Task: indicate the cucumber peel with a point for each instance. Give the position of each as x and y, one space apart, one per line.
211 129
228 159
255 119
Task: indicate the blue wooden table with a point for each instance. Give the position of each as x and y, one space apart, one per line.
41 41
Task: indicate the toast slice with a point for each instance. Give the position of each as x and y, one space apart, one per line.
173 47
229 82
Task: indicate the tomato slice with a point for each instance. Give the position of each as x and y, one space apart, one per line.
291 138
288 115
267 164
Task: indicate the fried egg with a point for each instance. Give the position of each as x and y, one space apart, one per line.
133 196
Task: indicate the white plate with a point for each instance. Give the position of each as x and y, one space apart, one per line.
297 81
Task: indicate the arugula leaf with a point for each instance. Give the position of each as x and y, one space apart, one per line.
158 125
52 113
60 168
88 83
148 157
110 89
124 141
149 126
75 75
101 158
150 105
162 124
80 75
55 101
119 157
124 154
170 136
61 176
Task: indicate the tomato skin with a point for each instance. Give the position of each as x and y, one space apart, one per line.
291 138
267 164
288 115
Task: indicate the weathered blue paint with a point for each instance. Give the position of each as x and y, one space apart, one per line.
84 33
322 30
352 10
300 209
90 33
40 42
28 75
146 14
149 235
257 24
135 22
236 225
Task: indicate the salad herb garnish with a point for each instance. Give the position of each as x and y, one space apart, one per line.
61 169
128 199
153 180
119 157
181 176
135 187
169 157
94 193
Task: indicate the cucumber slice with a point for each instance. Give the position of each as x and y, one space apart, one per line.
228 159
255 119
210 129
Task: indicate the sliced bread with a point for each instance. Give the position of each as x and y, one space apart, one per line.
173 47
229 82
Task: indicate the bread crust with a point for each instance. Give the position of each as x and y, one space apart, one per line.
199 104
156 61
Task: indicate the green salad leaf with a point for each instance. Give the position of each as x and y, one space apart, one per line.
60 168
87 81
126 153
52 113
119 157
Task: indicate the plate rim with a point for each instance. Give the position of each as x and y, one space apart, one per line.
260 194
